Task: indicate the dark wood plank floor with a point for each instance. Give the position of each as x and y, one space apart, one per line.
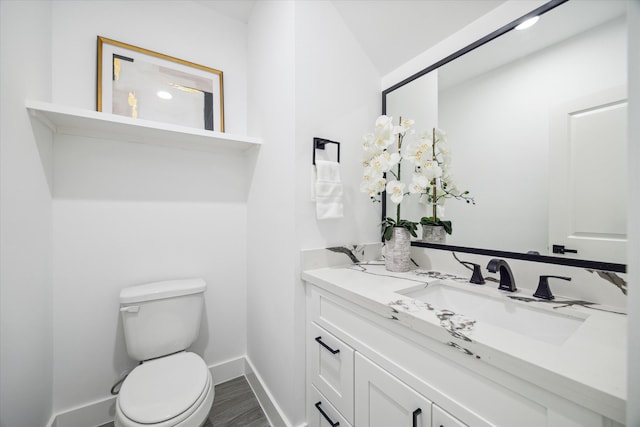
234 405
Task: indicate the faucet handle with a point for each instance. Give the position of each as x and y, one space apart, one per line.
476 276
543 290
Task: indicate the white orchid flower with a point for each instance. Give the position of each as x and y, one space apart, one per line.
418 184
441 135
431 169
383 141
404 127
385 161
373 182
371 174
444 149
416 152
383 122
392 158
374 187
407 124
396 190
369 145
383 132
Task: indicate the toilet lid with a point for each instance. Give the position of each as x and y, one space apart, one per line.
161 389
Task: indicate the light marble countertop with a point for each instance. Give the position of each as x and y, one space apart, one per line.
589 367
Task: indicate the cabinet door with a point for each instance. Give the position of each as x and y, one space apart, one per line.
444 419
382 400
331 369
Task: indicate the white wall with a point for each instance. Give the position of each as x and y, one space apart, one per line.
633 383
337 98
320 84
270 226
125 214
26 346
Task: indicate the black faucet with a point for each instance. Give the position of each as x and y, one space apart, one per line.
543 290
507 282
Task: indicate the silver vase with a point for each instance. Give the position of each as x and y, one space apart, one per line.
434 234
398 250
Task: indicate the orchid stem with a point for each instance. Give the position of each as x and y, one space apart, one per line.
398 177
433 149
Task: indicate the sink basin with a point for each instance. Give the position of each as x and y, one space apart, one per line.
499 311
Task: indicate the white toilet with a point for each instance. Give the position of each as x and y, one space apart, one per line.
171 387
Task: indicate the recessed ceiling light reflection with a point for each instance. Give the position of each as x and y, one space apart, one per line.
163 94
528 23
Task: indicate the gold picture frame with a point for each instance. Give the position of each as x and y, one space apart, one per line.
144 84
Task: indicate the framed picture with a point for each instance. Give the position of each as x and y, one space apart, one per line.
140 83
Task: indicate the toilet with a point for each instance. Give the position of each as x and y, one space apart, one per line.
171 386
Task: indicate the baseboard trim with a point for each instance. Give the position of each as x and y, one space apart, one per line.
92 414
269 406
102 411
227 370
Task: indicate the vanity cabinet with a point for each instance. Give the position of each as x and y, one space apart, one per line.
388 374
345 388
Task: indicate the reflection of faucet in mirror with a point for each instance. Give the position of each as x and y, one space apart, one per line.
507 281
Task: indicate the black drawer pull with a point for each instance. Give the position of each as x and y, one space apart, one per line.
326 417
319 339
415 417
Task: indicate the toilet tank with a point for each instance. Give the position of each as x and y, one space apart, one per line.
161 318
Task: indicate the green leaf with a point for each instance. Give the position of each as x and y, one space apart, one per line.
387 232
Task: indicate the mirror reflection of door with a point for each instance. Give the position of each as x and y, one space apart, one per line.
588 177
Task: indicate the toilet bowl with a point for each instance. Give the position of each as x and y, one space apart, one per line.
175 390
171 387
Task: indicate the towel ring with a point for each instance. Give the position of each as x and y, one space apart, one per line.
319 144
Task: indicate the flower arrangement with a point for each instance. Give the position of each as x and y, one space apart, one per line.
431 179
379 160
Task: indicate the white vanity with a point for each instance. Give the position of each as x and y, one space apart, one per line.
389 349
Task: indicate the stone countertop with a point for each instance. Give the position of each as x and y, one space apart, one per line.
589 367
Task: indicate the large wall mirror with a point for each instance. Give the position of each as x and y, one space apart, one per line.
536 122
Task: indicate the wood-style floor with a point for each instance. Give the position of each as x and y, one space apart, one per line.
234 405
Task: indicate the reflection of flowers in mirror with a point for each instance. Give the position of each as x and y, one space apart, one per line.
437 167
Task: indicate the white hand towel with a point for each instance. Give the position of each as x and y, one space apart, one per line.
328 190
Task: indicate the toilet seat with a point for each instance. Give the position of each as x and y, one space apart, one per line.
166 392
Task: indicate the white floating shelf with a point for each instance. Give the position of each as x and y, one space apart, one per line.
94 124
